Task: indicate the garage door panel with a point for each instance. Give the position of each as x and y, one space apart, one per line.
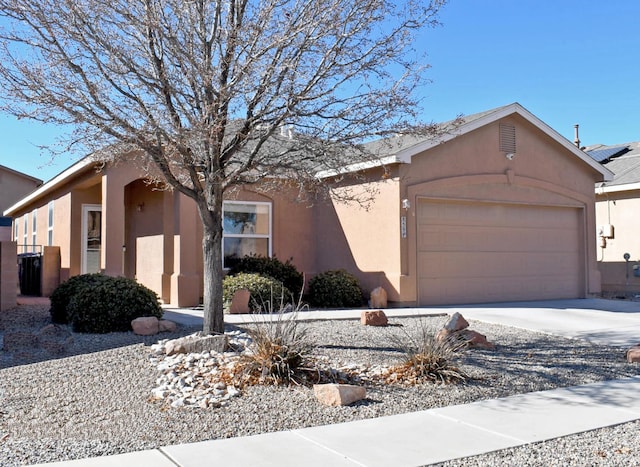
466 265
491 252
446 238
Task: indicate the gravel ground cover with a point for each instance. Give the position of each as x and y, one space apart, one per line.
97 400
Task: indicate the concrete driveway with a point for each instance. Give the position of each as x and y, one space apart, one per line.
605 322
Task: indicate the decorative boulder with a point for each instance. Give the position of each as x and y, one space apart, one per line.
145 326
240 302
373 318
456 323
197 343
633 354
378 298
19 340
164 325
55 339
475 340
338 394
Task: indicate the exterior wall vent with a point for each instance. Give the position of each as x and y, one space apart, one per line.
507 138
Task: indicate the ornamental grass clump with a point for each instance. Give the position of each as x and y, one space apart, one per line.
279 350
428 358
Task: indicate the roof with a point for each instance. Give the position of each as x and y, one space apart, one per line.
55 182
399 149
20 174
623 160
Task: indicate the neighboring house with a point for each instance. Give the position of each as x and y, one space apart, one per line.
617 219
14 185
502 208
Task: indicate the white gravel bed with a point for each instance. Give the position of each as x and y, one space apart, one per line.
99 401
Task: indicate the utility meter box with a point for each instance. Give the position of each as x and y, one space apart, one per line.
606 231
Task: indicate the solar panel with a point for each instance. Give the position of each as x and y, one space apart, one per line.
607 153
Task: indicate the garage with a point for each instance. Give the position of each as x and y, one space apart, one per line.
477 252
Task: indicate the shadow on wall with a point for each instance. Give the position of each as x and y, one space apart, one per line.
620 276
334 251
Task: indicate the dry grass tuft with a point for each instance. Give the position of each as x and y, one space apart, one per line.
427 359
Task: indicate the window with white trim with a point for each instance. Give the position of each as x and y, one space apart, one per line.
16 227
246 230
50 224
34 224
25 238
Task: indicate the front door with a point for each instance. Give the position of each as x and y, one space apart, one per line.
91 237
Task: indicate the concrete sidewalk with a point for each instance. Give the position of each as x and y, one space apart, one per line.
430 436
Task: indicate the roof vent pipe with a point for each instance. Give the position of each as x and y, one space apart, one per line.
576 141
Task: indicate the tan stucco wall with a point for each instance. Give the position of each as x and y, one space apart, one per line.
619 209
364 238
14 187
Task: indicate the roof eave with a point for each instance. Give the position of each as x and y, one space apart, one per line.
51 185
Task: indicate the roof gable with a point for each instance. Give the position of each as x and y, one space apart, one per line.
475 121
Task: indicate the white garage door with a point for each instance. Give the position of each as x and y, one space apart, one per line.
485 252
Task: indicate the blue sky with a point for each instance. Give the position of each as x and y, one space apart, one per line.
566 61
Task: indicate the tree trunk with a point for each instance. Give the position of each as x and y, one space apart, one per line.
212 271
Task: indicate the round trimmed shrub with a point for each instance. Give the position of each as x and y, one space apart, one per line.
286 272
63 294
110 304
335 289
267 293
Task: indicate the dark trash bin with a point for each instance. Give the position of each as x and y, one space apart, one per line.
30 273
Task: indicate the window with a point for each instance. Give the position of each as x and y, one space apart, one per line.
26 228
16 227
247 230
34 223
50 224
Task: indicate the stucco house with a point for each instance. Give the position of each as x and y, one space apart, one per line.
13 186
617 220
501 208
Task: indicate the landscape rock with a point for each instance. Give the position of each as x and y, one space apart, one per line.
338 394
378 298
456 323
633 354
55 339
475 340
164 325
19 340
145 326
240 302
373 318
197 343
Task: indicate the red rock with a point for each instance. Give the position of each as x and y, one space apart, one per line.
633 354
475 340
145 326
240 302
164 325
378 298
338 394
373 318
456 323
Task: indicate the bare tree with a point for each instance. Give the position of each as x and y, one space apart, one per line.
219 93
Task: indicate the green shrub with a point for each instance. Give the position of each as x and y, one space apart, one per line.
335 289
63 294
100 304
267 293
286 272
